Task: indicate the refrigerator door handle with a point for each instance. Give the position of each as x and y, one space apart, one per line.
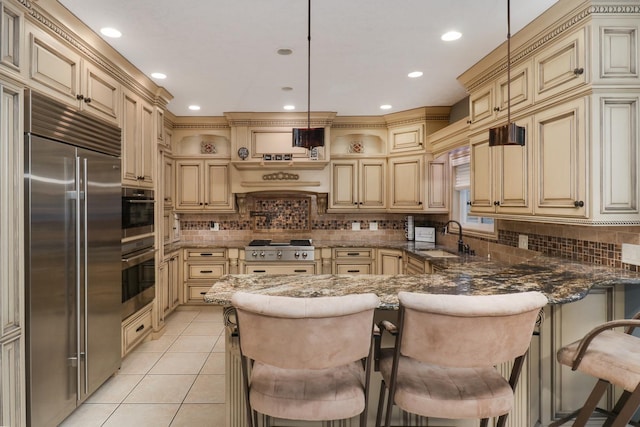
85 233
78 274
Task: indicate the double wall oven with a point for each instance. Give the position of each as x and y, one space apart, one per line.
138 249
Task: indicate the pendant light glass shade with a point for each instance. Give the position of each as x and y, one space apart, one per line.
308 137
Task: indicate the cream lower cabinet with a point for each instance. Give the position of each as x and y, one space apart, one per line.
500 176
136 328
203 185
168 289
358 184
353 261
138 141
416 265
280 268
201 268
406 184
61 72
390 261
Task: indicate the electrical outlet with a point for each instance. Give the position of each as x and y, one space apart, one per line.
631 254
355 226
523 241
373 226
214 226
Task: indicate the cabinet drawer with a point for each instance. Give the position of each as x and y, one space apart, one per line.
280 269
202 254
353 268
135 329
195 294
352 253
205 271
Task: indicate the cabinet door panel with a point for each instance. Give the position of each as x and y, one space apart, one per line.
372 183
148 151
557 68
481 176
129 138
189 185
561 161
406 183
103 93
217 186
344 184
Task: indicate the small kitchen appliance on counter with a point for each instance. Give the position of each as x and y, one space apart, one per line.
425 234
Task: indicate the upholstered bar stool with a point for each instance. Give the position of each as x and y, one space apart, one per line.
305 358
445 353
613 357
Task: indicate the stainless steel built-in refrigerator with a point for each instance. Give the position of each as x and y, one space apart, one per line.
73 271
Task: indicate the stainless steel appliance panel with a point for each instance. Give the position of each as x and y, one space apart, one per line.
102 325
51 281
73 276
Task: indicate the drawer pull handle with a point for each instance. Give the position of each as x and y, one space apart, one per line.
206 254
299 271
203 293
139 328
353 271
259 271
206 271
353 253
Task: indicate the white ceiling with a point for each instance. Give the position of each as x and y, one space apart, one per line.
221 54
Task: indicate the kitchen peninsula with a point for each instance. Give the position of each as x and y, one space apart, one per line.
562 281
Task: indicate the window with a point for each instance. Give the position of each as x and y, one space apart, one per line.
461 209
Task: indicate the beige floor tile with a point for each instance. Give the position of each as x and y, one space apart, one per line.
143 415
90 415
175 328
220 345
138 362
207 389
210 329
115 389
210 316
180 363
182 316
159 345
161 389
200 415
214 365
192 344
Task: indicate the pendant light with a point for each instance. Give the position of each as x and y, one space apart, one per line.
509 134
308 137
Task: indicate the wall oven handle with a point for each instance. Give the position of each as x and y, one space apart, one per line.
137 259
140 201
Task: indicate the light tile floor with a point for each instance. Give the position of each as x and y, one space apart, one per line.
176 380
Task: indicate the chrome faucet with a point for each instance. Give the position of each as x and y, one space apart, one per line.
462 248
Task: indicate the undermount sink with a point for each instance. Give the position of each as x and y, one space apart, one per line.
437 253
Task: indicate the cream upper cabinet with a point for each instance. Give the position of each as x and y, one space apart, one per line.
168 180
358 184
561 161
59 71
437 183
562 66
406 183
11 42
138 141
500 176
203 185
407 138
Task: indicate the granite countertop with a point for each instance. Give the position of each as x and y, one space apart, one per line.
562 281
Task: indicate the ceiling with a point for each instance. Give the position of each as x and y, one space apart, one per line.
222 54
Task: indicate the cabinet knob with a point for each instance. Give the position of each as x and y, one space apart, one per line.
496 203
419 203
468 202
87 100
578 204
496 109
355 203
79 97
578 71
469 122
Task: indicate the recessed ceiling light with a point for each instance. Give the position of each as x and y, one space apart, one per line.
194 107
451 36
110 32
284 51
289 107
415 74
385 107
160 76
